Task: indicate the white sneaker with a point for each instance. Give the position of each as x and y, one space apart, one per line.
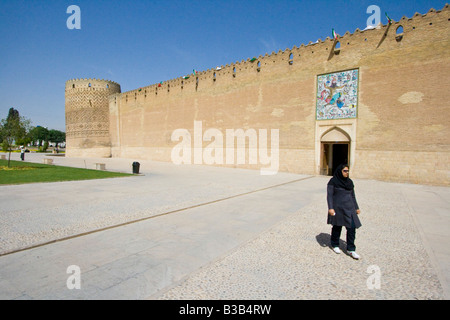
354 255
337 250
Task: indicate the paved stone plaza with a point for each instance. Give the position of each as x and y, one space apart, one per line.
203 232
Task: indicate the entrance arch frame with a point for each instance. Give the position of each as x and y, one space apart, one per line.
344 128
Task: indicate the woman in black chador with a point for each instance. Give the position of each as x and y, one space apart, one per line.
343 209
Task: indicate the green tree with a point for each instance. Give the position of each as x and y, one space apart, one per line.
13 129
56 136
39 134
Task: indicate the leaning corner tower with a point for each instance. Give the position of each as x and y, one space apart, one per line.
87 117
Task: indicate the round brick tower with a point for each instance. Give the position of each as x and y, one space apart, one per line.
87 117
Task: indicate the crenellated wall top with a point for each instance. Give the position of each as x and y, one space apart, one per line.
92 83
418 20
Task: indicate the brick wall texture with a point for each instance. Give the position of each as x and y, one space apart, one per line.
401 132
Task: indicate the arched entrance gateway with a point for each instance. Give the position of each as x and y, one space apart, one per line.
335 147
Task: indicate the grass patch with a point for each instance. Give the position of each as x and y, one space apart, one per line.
27 172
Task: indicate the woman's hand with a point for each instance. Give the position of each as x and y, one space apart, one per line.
358 211
331 212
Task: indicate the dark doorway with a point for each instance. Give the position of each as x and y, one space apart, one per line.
333 154
340 155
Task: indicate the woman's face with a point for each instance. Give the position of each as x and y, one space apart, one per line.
345 171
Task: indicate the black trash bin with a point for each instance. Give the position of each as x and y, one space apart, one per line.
136 166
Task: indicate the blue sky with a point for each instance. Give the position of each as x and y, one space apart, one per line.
142 42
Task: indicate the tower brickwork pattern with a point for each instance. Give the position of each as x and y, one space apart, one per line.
87 117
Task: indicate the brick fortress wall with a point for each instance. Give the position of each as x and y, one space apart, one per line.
401 132
87 117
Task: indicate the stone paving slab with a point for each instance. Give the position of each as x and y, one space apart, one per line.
293 259
37 213
231 234
137 260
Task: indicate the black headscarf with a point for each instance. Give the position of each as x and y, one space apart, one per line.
339 181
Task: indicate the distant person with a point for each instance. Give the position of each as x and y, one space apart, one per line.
343 209
22 154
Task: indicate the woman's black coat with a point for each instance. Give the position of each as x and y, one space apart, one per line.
344 203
